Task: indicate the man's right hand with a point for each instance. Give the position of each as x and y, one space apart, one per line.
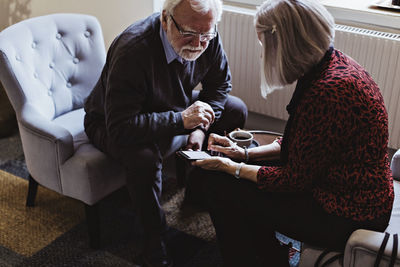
198 114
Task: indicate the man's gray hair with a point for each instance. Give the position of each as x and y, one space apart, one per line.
199 6
296 34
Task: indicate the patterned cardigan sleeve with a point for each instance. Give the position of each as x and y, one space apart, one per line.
312 143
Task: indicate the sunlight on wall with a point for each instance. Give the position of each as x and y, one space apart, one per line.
12 11
114 16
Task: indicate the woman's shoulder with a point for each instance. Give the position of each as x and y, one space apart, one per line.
344 68
343 75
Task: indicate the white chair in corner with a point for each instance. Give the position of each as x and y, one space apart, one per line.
48 66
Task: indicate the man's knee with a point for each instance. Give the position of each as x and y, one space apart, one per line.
141 163
237 109
234 116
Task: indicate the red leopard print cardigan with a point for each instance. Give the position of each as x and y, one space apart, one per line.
336 145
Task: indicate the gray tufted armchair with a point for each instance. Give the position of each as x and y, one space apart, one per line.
48 66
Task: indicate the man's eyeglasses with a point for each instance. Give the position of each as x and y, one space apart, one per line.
204 37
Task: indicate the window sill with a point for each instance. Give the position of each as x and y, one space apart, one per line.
363 12
360 13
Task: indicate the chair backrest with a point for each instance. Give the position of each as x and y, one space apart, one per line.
51 62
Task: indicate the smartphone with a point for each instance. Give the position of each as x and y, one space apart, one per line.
193 155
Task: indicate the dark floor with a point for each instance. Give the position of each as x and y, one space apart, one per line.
256 121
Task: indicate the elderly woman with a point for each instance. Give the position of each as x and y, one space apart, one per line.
333 175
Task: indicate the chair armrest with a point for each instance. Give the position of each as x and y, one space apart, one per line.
363 246
42 139
395 165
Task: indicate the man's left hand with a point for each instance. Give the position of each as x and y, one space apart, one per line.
195 140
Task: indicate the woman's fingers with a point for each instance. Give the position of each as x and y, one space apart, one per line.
215 139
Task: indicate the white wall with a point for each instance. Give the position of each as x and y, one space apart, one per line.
157 5
114 15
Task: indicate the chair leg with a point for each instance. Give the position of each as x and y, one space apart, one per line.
93 224
32 190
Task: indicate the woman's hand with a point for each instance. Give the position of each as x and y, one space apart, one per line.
248 172
215 164
226 146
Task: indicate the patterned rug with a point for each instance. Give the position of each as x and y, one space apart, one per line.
54 233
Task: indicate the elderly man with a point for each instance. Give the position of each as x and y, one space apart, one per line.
143 107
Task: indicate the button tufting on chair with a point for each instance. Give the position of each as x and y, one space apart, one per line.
34 45
50 111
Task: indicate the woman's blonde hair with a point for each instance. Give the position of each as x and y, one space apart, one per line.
295 35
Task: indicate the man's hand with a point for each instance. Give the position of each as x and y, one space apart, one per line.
195 141
198 114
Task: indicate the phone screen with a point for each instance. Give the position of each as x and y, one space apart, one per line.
195 155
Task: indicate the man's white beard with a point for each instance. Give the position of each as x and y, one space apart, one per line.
191 56
268 88
186 55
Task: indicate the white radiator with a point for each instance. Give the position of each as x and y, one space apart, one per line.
377 52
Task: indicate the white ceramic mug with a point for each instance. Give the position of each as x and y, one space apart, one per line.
241 138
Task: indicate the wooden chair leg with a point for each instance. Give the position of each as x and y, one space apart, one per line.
93 224
32 190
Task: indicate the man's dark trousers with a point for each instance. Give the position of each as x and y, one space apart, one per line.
143 163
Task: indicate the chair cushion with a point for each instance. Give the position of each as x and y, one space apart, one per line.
89 175
73 122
